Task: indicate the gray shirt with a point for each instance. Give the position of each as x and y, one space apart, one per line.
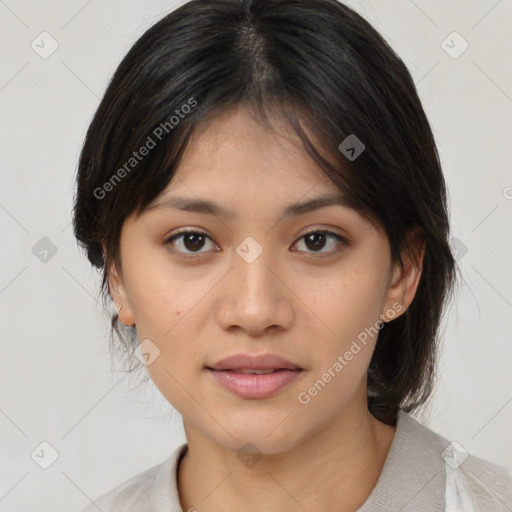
423 472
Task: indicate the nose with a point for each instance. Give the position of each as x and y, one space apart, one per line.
256 298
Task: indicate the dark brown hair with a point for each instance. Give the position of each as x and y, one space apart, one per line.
329 73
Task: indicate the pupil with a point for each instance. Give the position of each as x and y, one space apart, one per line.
313 236
194 237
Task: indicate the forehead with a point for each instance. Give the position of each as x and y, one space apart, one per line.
233 154
234 151
235 135
235 166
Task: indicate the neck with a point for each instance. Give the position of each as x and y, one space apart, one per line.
332 470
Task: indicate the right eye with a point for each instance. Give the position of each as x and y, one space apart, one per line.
188 240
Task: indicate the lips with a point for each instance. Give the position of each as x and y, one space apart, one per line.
254 377
255 372
246 363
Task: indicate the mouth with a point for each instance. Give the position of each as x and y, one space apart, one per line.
254 384
254 376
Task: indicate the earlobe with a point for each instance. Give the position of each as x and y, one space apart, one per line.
118 293
405 280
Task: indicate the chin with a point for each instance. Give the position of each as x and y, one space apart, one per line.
257 443
264 429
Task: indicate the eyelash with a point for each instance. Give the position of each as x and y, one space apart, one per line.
341 242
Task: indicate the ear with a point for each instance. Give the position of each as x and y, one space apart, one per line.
404 281
118 293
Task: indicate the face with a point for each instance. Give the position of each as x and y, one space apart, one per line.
252 280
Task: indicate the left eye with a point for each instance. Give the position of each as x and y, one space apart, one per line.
194 241
317 239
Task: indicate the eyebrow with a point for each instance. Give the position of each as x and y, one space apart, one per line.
212 208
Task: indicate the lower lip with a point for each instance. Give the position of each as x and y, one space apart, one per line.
251 385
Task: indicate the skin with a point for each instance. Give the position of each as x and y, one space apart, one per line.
289 301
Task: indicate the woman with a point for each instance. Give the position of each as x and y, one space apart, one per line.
261 190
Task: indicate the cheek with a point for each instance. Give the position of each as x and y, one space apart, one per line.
352 304
349 309
349 331
158 294
172 383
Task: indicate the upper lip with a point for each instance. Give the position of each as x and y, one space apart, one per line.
254 362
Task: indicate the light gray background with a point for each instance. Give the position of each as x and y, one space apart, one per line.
56 383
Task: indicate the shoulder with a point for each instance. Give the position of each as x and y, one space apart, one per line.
491 484
140 492
466 477
127 494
